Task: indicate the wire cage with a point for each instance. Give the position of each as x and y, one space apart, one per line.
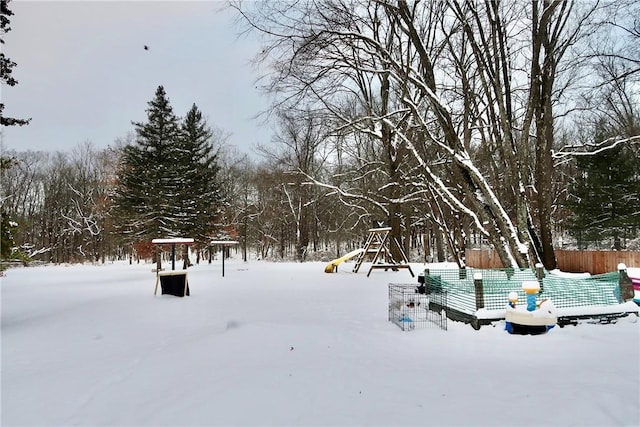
414 306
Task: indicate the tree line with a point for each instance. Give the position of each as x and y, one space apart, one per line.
469 104
458 123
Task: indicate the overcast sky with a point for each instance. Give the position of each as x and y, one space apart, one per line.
84 74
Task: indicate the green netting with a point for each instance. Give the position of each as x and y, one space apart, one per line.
498 283
569 292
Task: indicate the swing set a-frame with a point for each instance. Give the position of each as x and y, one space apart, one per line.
380 243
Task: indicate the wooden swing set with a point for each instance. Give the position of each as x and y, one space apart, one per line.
379 243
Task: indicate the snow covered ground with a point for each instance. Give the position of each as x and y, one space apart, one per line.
287 344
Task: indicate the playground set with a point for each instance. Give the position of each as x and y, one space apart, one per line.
379 243
537 318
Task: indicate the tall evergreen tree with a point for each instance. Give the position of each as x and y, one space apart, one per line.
6 68
604 198
6 225
6 65
148 197
6 236
200 176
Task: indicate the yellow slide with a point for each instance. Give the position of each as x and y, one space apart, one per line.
332 267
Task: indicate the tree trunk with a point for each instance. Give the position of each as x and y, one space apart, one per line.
542 88
186 262
426 237
396 233
440 245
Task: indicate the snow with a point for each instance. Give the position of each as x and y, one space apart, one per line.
287 344
175 240
559 273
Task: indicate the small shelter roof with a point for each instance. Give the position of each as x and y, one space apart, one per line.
172 241
224 242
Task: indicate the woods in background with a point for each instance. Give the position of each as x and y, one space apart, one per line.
458 123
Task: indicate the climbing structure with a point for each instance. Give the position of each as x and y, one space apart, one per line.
379 244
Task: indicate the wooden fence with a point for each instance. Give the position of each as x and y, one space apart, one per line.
594 262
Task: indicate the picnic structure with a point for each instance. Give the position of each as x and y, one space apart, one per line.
173 282
224 244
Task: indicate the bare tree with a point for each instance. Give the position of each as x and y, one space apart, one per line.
352 93
273 216
22 198
88 215
465 89
299 143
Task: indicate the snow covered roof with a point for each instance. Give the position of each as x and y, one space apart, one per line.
175 240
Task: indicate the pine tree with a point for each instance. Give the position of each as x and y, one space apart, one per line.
6 236
604 198
6 225
6 65
148 197
200 176
168 180
6 68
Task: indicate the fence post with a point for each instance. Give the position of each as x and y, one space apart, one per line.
625 285
540 275
423 283
477 284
